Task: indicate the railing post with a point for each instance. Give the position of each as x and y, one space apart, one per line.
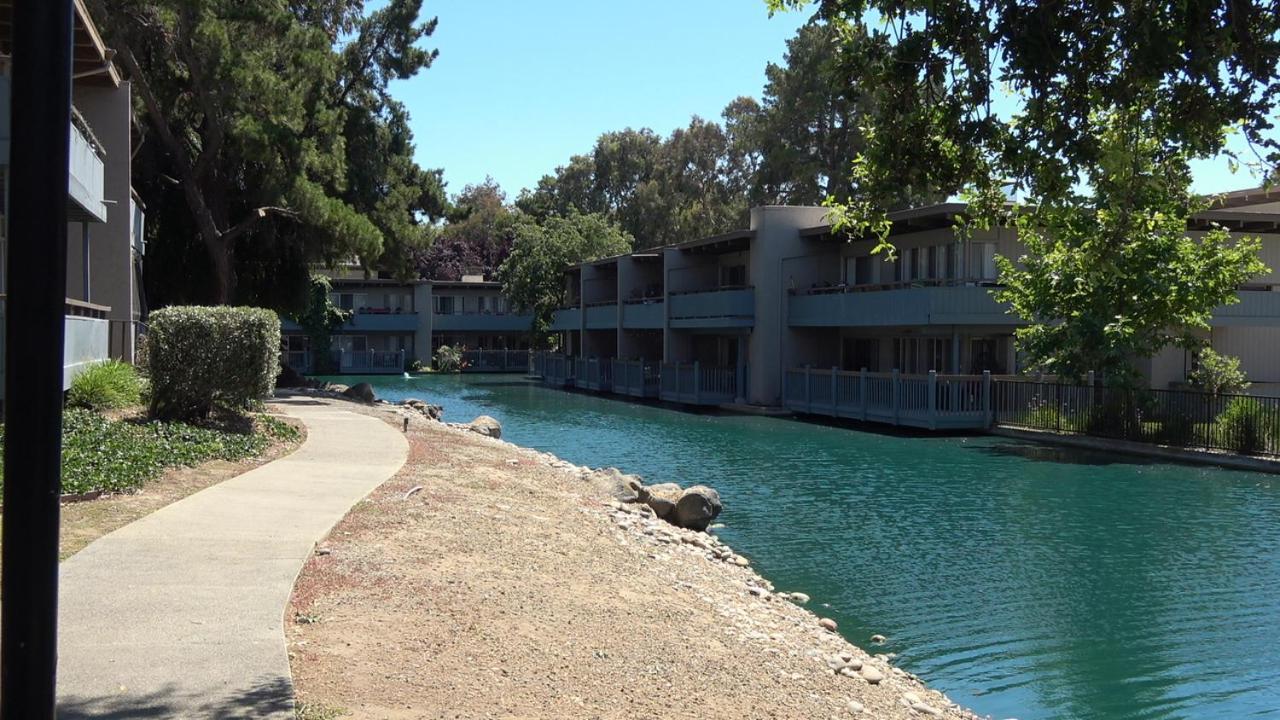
897 394
862 393
808 388
987 404
835 391
697 381
933 399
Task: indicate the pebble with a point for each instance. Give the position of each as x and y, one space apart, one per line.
877 639
740 561
798 597
924 709
911 698
323 551
854 707
835 663
827 624
758 591
871 674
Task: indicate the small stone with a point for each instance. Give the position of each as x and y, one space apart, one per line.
911 698
854 707
828 624
848 671
877 639
925 709
798 598
740 561
758 591
323 551
872 675
854 664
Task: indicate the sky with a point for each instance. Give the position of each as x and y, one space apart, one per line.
520 86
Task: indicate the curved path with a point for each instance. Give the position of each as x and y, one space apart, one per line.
181 614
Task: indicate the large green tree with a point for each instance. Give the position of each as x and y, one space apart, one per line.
271 138
533 274
981 97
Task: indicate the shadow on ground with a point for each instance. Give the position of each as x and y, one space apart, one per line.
269 698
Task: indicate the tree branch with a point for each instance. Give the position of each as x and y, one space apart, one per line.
256 216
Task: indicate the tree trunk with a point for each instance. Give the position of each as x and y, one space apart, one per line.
221 258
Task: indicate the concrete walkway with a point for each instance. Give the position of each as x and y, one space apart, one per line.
181 614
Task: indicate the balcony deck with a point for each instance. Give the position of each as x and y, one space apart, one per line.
643 314
601 316
482 322
569 318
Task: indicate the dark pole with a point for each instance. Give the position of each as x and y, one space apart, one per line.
36 284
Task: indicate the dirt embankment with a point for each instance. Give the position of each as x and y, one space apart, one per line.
490 581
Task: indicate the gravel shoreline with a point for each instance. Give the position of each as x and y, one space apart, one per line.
490 580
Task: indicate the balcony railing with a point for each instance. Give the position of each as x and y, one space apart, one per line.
373 362
721 307
593 374
930 401
953 305
646 314
86 173
495 360
697 384
482 322
636 378
601 316
569 318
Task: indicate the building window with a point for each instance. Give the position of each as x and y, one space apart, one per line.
447 305
861 353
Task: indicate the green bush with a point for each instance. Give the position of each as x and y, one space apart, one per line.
1177 429
1249 427
108 385
449 359
200 358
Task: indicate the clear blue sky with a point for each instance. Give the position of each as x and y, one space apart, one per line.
520 85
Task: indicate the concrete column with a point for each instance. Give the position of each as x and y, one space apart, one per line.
423 305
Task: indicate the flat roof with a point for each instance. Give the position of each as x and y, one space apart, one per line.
724 242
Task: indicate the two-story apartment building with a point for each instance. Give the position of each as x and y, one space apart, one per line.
394 323
726 318
104 306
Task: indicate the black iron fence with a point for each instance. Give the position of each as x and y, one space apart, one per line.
1245 424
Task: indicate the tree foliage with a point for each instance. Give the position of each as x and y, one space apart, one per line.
477 236
320 319
270 146
1119 96
533 275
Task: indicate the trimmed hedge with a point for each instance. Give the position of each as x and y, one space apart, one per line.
200 358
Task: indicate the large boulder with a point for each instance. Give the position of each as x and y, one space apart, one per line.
486 426
361 391
696 508
621 485
662 498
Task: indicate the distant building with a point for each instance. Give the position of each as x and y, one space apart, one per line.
394 323
751 306
104 303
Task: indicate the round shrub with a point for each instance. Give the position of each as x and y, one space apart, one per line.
1249 427
199 358
108 385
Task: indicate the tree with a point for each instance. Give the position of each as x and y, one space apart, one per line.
1120 96
533 274
1114 276
265 134
320 319
478 235
808 128
1218 374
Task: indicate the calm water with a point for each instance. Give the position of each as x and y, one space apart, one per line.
1023 581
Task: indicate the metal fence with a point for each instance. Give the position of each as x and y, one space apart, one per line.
1244 424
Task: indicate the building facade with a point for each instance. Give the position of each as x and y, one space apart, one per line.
726 319
105 247
395 324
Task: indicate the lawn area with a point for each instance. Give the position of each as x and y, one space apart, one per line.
118 454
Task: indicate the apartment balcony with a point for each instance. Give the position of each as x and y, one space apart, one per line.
1256 308
381 322
87 337
601 316
85 171
720 308
569 318
643 314
850 307
481 322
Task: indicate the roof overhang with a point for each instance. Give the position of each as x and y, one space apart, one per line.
91 59
735 241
